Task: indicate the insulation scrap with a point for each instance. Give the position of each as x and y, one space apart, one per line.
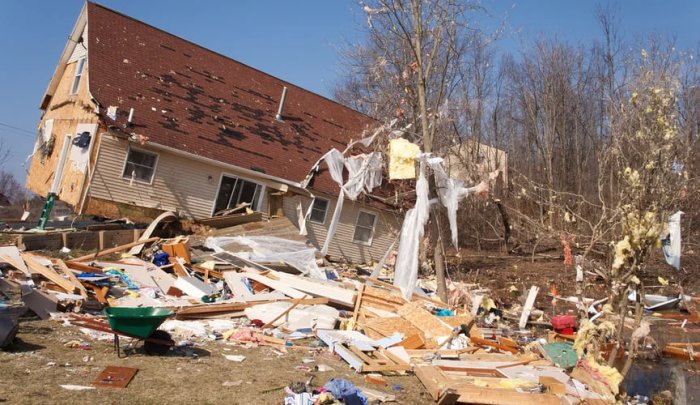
402 156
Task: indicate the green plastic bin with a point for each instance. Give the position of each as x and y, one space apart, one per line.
141 322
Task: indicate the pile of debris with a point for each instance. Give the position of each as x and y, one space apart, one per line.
263 290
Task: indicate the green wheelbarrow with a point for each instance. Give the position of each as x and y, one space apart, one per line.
136 323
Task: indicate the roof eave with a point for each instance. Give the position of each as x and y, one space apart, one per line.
65 55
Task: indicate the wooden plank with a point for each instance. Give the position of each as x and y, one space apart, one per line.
203 309
178 268
414 341
234 281
336 294
113 250
61 265
83 267
527 308
432 378
491 343
472 394
276 285
364 357
448 397
50 274
356 311
295 303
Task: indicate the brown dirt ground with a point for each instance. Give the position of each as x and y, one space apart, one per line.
500 271
26 377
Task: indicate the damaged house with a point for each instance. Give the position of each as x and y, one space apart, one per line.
138 121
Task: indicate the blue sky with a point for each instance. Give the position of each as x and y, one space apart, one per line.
295 40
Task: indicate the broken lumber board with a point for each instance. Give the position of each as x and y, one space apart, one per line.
61 265
234 281
527 308
295 303
417 296
278 285
113 250
146 236
236 306
473 394
11 255
491 343
432 378
83 267
356 310
443 353
50 274
336 294
434 330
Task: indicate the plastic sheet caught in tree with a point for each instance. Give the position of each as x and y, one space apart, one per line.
412 231
451 191
672 243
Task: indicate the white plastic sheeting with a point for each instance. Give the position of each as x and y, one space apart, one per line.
672 243
364 174
272 249
412 230
451 191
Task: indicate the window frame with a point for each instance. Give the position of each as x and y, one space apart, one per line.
374 228
261 194
77 76
325 211
126 161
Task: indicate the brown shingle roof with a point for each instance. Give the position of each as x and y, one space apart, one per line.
196 100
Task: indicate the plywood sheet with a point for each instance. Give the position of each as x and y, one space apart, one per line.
434 330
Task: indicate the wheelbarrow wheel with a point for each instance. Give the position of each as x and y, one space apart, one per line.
158 349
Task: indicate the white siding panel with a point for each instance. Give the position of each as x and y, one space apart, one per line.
80 49
342 246
181 185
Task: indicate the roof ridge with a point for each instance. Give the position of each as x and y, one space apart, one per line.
224 56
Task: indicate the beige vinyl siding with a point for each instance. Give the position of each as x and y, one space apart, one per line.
342 247
179 184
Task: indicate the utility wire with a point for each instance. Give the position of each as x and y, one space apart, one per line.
17 129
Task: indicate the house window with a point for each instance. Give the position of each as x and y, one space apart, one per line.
78 75
364 228
234 191
319 210
140 165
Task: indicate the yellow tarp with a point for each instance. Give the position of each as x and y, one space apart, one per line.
402 156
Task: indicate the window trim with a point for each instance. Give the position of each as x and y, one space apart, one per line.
126 160
77 76
374 228
263 189
325 212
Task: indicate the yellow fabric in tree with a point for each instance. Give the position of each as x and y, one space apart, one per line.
402 157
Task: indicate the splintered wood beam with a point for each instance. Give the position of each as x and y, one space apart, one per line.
83 267
50 274
61 265
114 250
